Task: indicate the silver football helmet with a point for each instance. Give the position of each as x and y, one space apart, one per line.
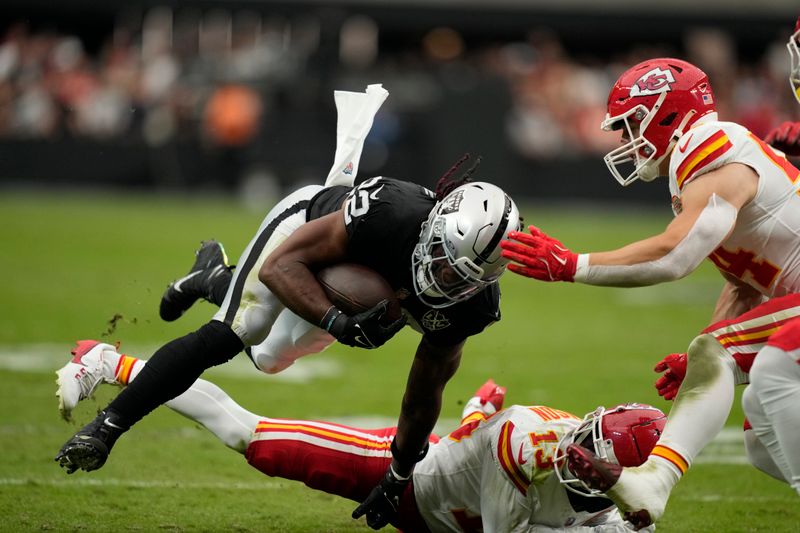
458 252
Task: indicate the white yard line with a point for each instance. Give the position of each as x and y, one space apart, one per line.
133 483
50 357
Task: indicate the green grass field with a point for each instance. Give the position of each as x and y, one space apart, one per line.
70 264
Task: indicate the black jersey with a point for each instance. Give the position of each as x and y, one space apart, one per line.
383 217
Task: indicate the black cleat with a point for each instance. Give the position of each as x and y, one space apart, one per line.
182 293
89 448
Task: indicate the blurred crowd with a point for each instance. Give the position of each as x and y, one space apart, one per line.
214 76
169 77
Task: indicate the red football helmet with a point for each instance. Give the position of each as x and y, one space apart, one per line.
654 103
624 435
794 54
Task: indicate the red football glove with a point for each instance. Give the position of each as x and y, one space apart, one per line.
487 401
491 392
674 368
785 138
539 256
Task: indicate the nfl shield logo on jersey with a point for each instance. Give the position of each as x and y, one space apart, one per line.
677 206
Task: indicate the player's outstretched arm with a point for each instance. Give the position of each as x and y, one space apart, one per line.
432 368
709 208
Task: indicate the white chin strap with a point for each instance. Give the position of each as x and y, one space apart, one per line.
648 172
709 231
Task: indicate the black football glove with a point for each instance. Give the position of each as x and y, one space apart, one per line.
382 503
363 330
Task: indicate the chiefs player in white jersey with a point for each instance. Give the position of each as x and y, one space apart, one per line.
494 473
772 434
735 201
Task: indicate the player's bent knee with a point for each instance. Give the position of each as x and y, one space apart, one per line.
280 351
705 354
704 347
270 364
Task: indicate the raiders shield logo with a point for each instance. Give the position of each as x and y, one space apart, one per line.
452 203
434 320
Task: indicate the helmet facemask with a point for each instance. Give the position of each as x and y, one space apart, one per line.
638 150
588 434
440 278
794 56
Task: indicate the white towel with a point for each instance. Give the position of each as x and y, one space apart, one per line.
356 112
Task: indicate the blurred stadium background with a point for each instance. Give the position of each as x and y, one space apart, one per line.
129 131
236 95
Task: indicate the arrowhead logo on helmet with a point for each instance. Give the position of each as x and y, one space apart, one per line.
655 81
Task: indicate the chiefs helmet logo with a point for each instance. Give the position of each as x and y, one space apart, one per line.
654 81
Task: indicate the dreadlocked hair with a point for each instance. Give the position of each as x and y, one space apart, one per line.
447 182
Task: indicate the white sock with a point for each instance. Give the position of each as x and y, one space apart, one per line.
209 405
702 405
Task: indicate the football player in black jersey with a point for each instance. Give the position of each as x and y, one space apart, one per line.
441 250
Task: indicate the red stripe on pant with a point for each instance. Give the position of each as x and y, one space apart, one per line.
345 474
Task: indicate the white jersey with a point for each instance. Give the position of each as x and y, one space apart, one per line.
763 250
497 474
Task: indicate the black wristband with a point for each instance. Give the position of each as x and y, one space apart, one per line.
329 318
407 461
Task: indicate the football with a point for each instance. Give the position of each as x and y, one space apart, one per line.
355 288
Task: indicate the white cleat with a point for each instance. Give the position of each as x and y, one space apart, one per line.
91 365
641 494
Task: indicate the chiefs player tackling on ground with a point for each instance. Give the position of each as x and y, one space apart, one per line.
498 472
